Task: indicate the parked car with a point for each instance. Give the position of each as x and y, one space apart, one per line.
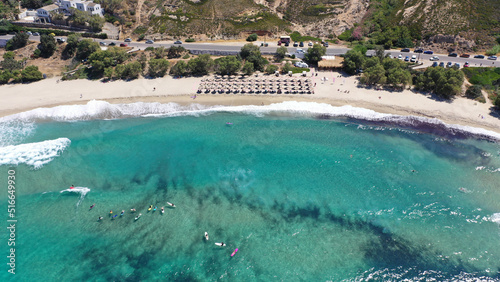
301 65
434 58
400 56
178 42
279 43
466 65
128 40
301 44
326 44
457 65
149 41
287 44
36 34
435 64
60 40
465 56
29 32
413 59
310 43
112 44
492 58
295 44
405 50
453 55
449 64
102 43
429 52
407 59
123 45
418 51
479 56
441 64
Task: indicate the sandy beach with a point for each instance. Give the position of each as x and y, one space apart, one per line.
338 90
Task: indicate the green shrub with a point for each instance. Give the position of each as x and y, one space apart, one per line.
346 35
474 92
190 40
149 48
185 57
497 102
252 37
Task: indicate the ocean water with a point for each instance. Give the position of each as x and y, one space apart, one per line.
305 191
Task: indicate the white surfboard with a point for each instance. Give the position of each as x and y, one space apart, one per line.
220 244
206 236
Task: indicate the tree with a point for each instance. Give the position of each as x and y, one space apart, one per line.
271 69
143 60
248 50
252 37
374 75
497 102
380 53
201 65
47 45
158 67
32 4
19 40
281 53
175 52
100 60
445 83
229 65
5 76
353 61
85 48
108 73
71 44
9 63
31 73
474 91
179 69
96 22
286 68
160 52
248 68
314 54
132 70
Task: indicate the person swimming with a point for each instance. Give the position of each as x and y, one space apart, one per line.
154 209
123 211
92 206
72 187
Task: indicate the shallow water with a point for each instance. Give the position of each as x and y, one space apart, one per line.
301 198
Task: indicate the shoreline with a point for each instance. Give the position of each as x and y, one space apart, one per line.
339 90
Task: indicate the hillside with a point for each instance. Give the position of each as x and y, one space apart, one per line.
477 22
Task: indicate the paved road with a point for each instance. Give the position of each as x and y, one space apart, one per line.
332 50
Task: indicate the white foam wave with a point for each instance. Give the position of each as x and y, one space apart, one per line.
33 154
495 218
14 131
104 110
79 190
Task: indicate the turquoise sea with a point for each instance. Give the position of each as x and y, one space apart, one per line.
306 192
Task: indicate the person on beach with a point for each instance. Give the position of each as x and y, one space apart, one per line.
154 88
80 96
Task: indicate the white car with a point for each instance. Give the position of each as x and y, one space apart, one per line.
400 56
301 65
434 58
413 58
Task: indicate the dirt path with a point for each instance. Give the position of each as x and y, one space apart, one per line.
138 13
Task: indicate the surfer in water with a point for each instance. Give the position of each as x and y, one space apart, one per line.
72 187
92 206
132 210
115 215
162 210
123 211
100 218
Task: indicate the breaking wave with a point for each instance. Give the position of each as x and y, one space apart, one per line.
104 110
79 190
33 154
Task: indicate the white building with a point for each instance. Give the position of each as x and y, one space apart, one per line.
44 12
84 6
